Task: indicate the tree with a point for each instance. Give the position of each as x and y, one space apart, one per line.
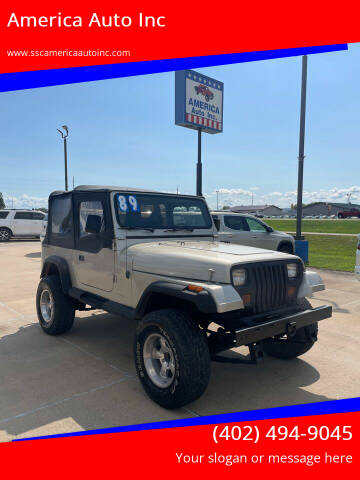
2 203
226 207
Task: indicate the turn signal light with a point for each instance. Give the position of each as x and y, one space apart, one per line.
291 291
194 288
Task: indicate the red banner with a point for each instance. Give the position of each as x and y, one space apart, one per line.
42 35
296 446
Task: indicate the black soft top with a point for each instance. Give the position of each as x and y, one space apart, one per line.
98 188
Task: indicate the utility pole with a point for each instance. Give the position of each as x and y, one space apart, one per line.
64 134
301 149
199 168
217 199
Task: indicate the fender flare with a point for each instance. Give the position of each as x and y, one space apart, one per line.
63 269
202 300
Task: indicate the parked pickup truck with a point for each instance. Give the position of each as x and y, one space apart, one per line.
20 223
248 230
154 257
350 212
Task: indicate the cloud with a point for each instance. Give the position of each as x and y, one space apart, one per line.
241 196
24 201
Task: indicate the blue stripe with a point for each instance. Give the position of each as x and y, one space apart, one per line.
62 76
319 408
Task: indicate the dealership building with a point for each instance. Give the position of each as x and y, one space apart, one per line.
266 210
327 208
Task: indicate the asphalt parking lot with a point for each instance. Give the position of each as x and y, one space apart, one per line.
86 379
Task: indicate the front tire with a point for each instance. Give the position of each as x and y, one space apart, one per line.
55 310
291 347
172 358
286 248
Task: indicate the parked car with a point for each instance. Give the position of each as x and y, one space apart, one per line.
357 266
20 223
153 257
247 230
349 213
43 228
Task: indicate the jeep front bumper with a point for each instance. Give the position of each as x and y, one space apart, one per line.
280 325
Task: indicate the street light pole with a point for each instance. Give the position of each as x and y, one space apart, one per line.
217 199
301 148
64 134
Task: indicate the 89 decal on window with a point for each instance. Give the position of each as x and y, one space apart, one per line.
128 202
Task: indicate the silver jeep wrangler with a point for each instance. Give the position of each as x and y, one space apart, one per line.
154 257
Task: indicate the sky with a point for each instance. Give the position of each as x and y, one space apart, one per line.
122 132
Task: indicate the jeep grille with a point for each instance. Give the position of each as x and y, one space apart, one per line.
270 287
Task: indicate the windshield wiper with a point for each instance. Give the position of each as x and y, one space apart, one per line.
179 229
149 229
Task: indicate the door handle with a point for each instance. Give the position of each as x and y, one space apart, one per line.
253 236
81 258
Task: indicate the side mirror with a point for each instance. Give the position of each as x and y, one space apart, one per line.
269 229
93 224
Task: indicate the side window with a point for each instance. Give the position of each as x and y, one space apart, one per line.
38 216
4 214
235 223
255 226
61 222
216 222
86 206
23 216
86 209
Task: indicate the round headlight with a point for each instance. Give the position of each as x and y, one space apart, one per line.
239 277
292 270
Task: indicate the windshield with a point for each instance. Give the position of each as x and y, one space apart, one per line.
149 211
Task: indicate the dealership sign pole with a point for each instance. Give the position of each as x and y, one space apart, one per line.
198 105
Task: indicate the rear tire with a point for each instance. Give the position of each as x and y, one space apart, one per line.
5 234
291 347
55 310
172 358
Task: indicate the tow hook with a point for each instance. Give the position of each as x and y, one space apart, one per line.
291 329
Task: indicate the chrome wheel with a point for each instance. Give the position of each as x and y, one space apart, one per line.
159 360
47 306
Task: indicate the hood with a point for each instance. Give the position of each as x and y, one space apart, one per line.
193 260
283 234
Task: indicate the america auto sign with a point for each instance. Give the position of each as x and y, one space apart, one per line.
198 101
